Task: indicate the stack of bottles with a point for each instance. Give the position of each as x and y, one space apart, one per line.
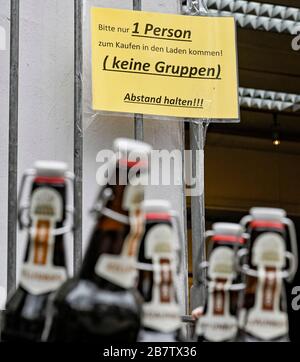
245 275
126 288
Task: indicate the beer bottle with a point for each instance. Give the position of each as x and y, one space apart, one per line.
218 318
47 218
101 303
269 259
161 321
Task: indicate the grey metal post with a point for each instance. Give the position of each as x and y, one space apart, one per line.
78 134
197 142
138 118
13 147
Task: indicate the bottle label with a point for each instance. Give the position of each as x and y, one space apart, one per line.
117 269
217 328
265 320
161 317
40 279
121 269
163 312
38 274
266 325
218 324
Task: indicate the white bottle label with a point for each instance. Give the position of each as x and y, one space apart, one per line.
40 279
218 324
266 325
217 328
265 320
163 312
161 317
117 269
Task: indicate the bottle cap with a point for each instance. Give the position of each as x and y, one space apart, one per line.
50 168
227 228
128 145
221 263
156 206
267 213
131 151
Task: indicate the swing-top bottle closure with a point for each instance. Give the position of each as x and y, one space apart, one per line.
220 278
266 262
127 153
157 210
161 244
48 172
267 218
40 208
229 233
274 219
130 164
132 152
161 210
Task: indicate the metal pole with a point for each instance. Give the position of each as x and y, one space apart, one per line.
78 134
138 118
13 147
197 143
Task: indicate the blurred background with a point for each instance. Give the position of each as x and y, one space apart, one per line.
257 162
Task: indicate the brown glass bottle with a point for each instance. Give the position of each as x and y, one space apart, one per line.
263 314
44 268
101 302
219 322
161 320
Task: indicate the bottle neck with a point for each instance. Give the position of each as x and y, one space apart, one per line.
260 231
267 246
44 268
161 311
157 286
116 205
218 303
110 235
47 213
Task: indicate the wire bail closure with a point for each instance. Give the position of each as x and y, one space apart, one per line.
291 256
99 209
176 222
205 265
246 269
24 219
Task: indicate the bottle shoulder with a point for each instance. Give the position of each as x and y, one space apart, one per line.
83 295
21 295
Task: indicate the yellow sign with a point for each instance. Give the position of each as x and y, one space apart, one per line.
162 64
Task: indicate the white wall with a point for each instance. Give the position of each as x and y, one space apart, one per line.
46 105
45 95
